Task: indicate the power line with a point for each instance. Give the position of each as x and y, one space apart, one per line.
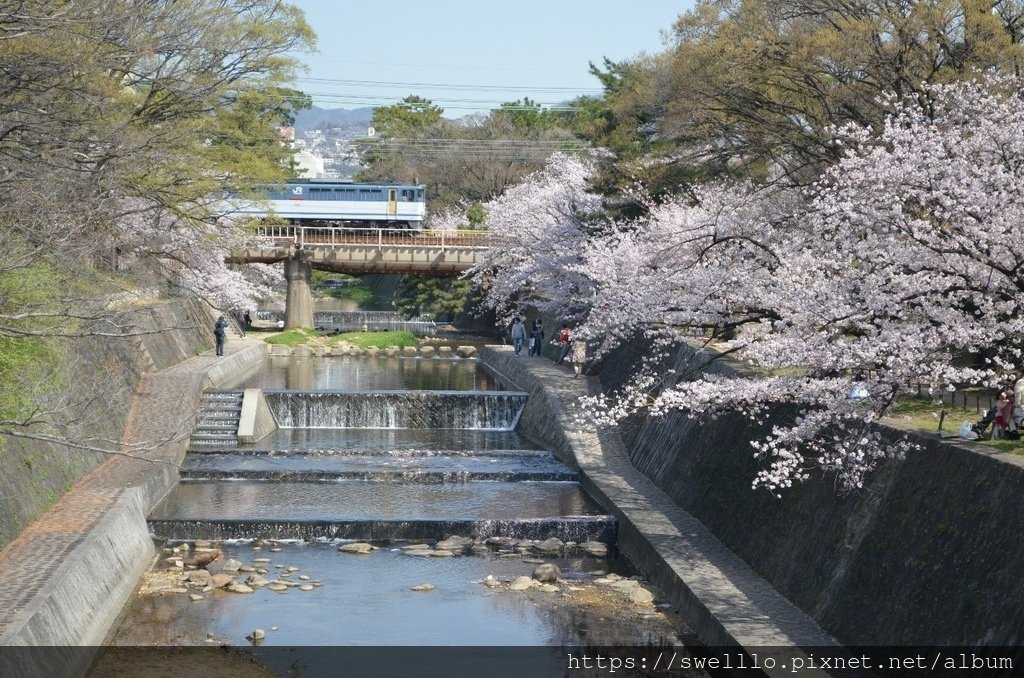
453 87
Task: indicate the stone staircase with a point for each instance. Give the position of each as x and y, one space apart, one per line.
217 425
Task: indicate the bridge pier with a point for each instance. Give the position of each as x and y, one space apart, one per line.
298 307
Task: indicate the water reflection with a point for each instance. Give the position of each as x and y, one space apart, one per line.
364 373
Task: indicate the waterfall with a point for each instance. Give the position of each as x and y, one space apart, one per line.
476 410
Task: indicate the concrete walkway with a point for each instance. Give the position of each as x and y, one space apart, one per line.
67 575
718 594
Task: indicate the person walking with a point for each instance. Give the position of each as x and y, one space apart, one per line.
536 337
220 333
518 334
579 356
564 338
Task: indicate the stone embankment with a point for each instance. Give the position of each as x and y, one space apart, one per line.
928 553
718 594
94 543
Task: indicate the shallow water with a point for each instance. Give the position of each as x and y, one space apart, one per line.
364 373
357 500
366 600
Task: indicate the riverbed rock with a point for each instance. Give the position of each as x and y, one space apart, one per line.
521 583
427 351
195 597
444 351
199 577
372 351
361 548
454 543
256 580
410 352
641 596
391 351
257 634
507 542
239 588
220 580
306 587
204 555
441 553
490 582
426 586
552 545
547 572
595 548
466 351
278 587
547 588
231 565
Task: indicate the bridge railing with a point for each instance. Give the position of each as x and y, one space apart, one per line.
321 236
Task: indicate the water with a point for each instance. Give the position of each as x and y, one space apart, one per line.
385 442
354 500
365 600
386 451
478 411
364 373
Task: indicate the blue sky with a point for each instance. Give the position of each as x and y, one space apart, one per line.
469 56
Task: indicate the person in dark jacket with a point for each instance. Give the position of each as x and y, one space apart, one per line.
220 333
536 337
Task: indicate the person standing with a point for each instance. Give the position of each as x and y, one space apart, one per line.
518 334
579 356
220 333
536 337
564 339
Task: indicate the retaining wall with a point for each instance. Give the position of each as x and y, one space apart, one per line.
928 553
72 570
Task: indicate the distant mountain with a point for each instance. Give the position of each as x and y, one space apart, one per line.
323 118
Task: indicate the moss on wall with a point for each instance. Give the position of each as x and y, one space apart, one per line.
99 379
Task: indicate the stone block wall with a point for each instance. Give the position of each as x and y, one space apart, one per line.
928 553
103 376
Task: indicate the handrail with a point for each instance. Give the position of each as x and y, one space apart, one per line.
320 236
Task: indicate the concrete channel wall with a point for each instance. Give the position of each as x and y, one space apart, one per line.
721 597
71 571
928 553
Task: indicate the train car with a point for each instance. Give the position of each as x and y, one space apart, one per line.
343 205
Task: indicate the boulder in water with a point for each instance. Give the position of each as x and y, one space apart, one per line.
361 548
426 586
552 545
595 548
641 596
466 351
547 572
522 583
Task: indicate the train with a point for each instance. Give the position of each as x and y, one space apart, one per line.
318 202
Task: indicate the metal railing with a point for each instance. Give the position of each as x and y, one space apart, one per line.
322 236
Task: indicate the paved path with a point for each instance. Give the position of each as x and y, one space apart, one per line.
718 594
67 575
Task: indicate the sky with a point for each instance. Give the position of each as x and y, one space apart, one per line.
468 56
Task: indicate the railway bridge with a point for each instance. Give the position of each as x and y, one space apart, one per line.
357 252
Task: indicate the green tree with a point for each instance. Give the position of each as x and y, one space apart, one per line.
110 109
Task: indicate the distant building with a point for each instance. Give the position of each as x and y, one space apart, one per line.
308 165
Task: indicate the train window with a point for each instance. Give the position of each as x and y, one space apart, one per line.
419 194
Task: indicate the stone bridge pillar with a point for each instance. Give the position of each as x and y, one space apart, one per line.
298 308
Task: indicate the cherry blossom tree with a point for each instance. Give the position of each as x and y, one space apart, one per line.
902 262
543 224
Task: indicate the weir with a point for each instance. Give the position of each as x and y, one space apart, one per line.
397 409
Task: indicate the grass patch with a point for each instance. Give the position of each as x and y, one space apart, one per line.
293 337
923 414
360 294
400 338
